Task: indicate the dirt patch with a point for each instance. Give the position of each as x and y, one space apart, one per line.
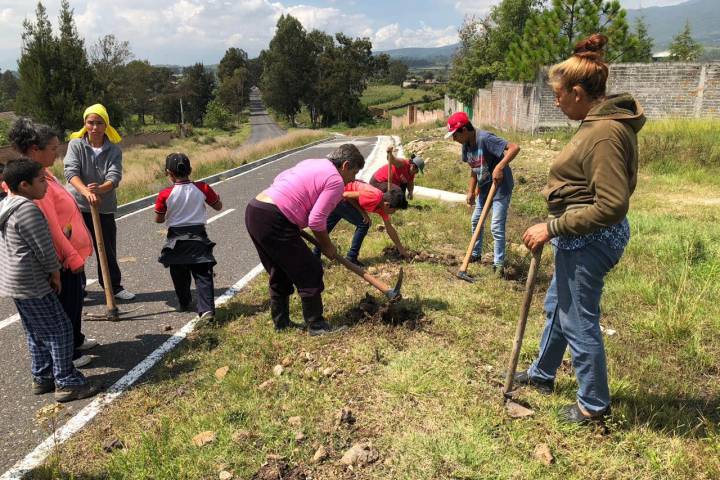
403 312
278 470
447 259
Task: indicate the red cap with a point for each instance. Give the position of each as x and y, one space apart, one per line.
456 120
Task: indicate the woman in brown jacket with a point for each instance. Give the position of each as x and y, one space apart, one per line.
588 195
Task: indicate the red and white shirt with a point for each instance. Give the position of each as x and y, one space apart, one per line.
371 198
184 203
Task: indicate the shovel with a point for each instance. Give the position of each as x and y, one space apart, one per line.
391 293
462 274
522 321
112 314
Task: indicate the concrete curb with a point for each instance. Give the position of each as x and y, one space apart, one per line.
144 202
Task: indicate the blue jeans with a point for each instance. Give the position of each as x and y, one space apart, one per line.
497 226
572 308
346 211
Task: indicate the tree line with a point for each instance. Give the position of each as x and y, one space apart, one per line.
518 37
58 77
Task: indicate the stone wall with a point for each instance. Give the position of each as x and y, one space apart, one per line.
678 90
413 116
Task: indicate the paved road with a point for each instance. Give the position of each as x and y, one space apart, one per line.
126 343
263 126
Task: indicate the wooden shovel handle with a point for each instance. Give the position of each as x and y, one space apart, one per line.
380 285
479 227
102 257
522 321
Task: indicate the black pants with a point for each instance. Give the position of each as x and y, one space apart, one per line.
282 251
204 283
71 299
109 231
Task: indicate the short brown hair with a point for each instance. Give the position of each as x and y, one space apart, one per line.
585 67
347 152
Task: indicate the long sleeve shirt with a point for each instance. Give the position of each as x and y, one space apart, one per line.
308 192
27 254
81 161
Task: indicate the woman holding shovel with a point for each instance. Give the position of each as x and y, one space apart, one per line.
303 196
488 157
588 196
93 170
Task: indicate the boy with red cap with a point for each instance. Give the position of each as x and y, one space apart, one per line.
403 173
488 157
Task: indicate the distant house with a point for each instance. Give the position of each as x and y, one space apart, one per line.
412 83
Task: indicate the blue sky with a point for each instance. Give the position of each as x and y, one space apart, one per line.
188 31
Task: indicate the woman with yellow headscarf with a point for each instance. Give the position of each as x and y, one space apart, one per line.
93 170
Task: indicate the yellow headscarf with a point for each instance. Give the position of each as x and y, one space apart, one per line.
99 110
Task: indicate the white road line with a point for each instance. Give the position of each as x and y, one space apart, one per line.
375 159
14 318
220 215
76 423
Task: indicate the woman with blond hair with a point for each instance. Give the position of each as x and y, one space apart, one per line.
588 196
93 170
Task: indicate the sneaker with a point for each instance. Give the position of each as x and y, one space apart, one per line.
323 328
82 361
573 414
124 295
543 386
75 392
206 317
88 344
45 385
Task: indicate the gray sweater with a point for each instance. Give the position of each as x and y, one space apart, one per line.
27 254
80 161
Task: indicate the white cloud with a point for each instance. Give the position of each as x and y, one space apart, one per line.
392 36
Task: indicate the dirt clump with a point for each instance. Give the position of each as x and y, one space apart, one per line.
402 312
447 259
279 470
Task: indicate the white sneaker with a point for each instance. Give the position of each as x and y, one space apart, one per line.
206 316
82 361
88 344
124 295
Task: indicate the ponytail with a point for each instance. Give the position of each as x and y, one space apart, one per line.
585 67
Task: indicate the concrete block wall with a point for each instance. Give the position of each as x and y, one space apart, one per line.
679 90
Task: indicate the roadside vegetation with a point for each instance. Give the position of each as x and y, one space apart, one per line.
419 385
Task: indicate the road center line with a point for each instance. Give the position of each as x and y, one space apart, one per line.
220 215
76 423
14 318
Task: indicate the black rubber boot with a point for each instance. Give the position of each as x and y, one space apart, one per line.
280 312
312 308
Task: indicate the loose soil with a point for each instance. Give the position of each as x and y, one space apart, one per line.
447 259
278 470
402 312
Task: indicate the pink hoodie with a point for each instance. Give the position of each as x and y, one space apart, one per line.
70 236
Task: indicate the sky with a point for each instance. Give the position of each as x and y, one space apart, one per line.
183 32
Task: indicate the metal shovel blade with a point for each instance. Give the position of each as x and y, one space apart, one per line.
464 276
394 293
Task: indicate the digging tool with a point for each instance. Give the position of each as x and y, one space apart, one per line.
520 330
112 314
391 293
389 180
462 274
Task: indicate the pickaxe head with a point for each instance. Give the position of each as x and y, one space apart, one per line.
394 293
464 276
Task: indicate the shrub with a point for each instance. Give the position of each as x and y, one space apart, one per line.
217 116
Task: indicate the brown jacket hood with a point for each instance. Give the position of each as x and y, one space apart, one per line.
622 107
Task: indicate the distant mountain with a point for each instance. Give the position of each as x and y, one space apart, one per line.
437 55
665 22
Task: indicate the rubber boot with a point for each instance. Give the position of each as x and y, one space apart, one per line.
312 308
280 312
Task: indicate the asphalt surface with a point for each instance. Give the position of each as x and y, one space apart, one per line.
124 344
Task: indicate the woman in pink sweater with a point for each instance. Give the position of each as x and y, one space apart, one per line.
70 236
303 196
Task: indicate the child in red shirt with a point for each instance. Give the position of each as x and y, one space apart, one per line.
188 250
360 198
403 173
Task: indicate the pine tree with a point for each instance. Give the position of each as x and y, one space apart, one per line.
36 67
641 50
73 80
551 35
683 47
108 59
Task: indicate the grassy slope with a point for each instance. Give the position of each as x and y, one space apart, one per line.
428 398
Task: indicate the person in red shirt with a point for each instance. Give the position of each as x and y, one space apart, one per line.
188 250
403 173
359 199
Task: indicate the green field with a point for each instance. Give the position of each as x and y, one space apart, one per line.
384 96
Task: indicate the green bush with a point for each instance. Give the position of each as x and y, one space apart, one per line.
217 116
